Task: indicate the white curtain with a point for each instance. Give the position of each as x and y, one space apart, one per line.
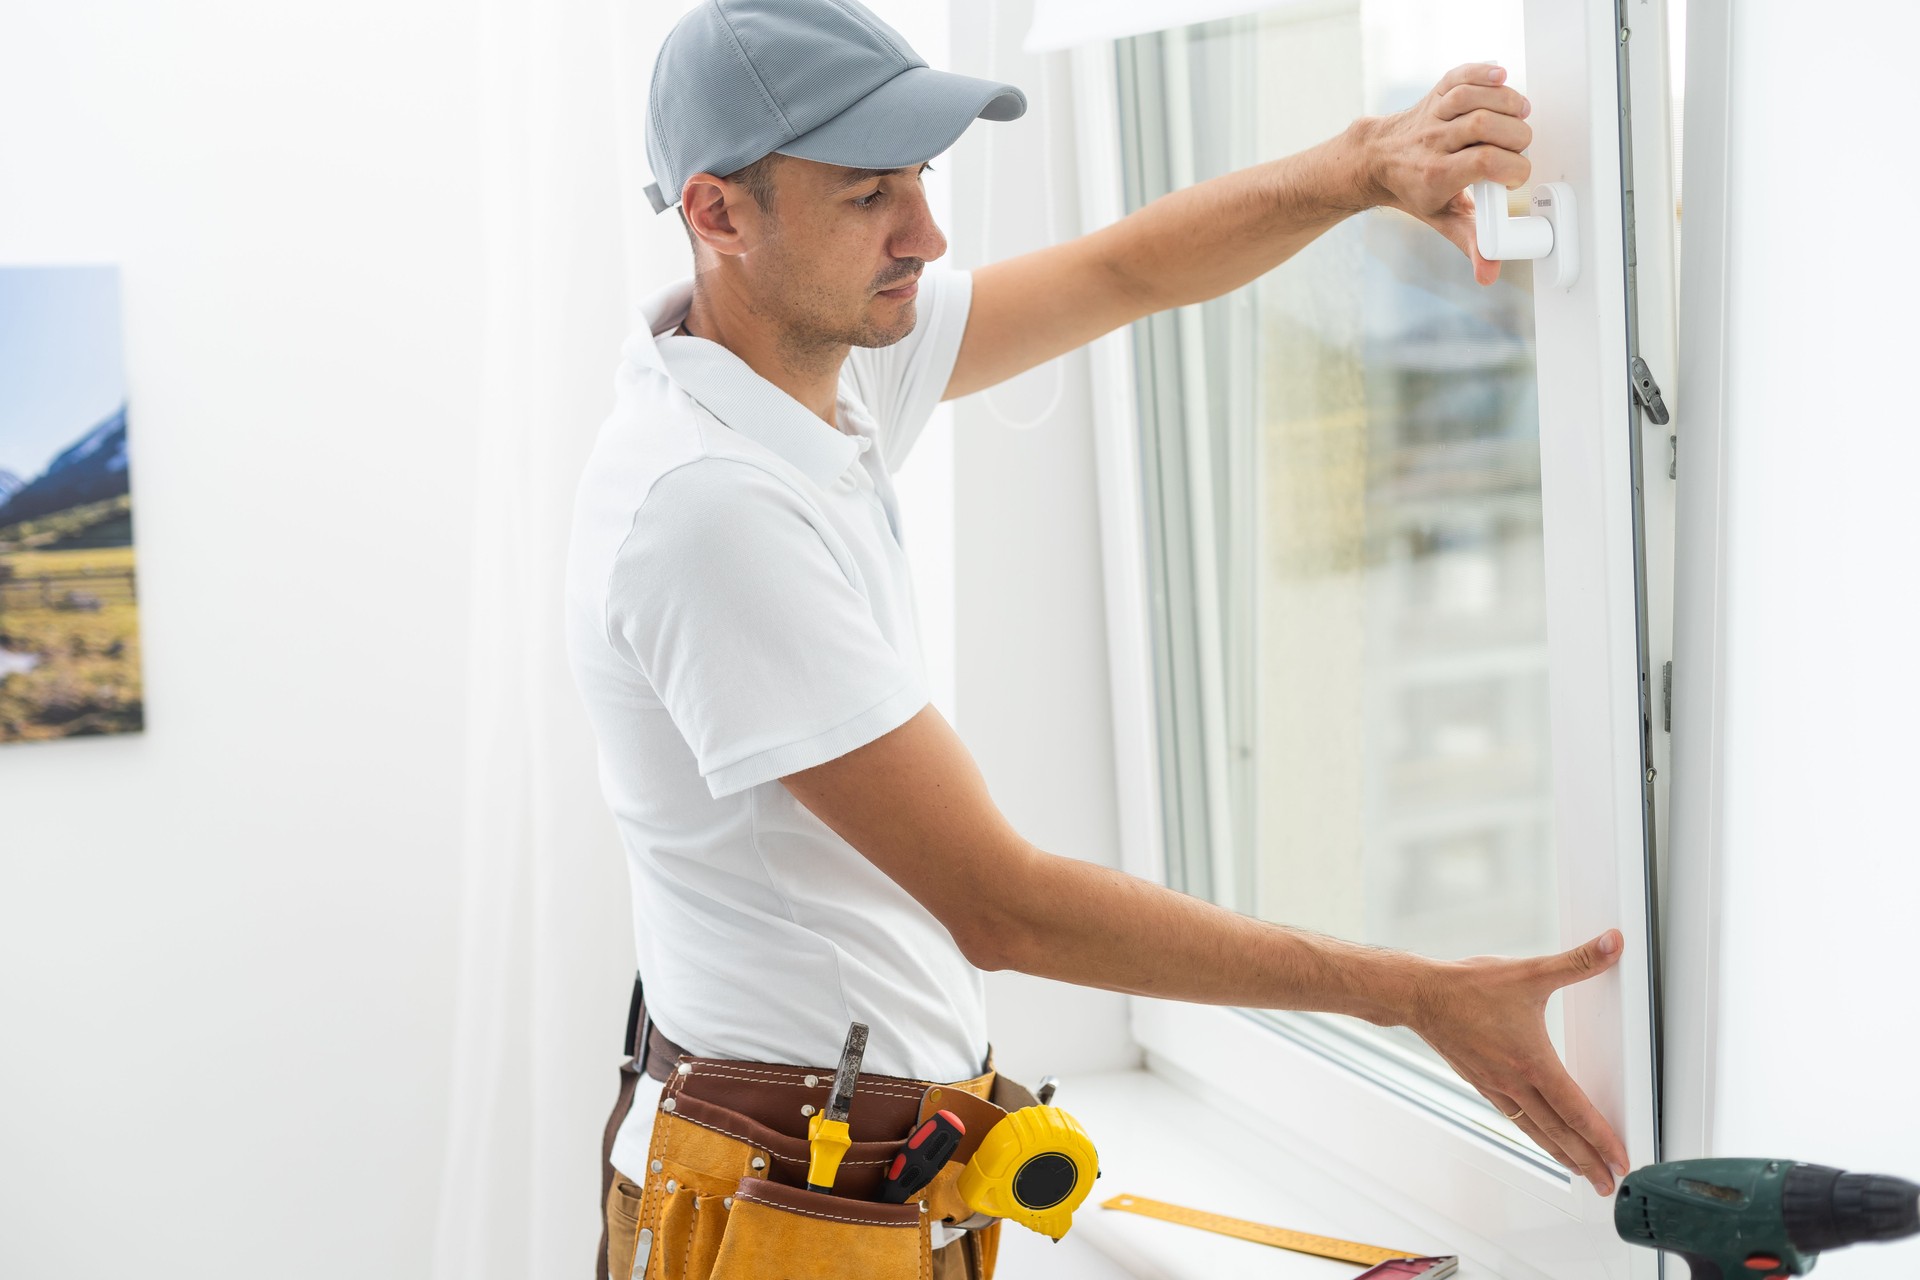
546 960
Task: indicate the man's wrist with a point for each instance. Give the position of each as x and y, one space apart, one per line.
1375 984
1359 185
1400 989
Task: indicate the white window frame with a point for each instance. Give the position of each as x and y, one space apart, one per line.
1690 915
1526 1218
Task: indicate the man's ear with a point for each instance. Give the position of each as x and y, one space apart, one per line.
710 204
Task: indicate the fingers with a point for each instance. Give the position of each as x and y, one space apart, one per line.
1545 1142
1490 127
1516 1115
1587 960
1461 99
1507 1108
1580 1155
1570 1121
1487 73
1455 222
1484 129
1495 164
1577 1112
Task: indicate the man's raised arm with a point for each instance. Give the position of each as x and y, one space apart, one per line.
1205 240
915 805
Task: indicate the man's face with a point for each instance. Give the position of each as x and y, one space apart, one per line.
822 263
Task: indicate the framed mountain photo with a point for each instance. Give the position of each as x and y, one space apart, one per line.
69 601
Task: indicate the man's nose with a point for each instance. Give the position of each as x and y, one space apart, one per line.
921 237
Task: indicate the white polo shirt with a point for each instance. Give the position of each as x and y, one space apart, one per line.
738 609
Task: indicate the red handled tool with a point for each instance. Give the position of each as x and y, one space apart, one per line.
926 1151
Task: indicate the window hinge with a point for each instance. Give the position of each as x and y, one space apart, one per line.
1647 392
1666 696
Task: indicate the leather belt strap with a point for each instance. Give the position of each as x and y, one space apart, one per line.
657 1056
645 1044
647 1051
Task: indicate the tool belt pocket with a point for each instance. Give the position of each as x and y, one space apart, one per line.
720 1203
801 1235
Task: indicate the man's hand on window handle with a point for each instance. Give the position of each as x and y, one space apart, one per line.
1469 127
1201 241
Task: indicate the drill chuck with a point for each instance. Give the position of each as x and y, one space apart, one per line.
1824 1208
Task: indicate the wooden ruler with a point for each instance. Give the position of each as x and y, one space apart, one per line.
1258 1232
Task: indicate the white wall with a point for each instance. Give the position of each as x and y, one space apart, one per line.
1799 872
227 944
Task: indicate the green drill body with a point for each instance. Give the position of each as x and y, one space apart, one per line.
1735 1219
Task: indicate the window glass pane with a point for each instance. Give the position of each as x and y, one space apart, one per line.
1342 482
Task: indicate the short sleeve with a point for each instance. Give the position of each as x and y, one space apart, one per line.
901 385
729 596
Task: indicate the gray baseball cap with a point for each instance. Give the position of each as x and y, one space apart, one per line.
823 80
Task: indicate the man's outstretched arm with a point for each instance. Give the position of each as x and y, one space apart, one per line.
914 804
1205 240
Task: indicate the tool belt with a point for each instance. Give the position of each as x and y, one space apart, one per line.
724 1195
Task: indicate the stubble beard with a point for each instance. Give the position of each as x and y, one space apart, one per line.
814 329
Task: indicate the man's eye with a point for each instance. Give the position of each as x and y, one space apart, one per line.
873 197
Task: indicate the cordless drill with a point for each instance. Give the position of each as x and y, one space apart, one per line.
1759 1219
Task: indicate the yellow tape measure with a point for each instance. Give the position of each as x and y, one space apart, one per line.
1258 1232
1036 1167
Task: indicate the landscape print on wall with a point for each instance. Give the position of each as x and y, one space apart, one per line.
69 611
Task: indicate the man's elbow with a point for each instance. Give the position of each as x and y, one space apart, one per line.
990 945
993 930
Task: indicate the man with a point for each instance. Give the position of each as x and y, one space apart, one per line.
810 844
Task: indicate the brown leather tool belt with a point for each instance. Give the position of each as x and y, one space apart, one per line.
732 1135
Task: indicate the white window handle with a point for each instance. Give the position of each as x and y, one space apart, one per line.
1550 234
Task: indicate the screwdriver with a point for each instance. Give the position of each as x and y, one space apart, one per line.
827 1134
926 1151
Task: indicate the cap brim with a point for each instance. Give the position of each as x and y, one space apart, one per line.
913 117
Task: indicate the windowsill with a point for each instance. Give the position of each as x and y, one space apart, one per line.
1157 1141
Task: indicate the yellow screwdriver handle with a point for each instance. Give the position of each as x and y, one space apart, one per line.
828 1141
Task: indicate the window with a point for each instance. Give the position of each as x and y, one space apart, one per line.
1344 521
1377 578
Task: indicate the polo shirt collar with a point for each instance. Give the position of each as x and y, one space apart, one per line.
728 388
